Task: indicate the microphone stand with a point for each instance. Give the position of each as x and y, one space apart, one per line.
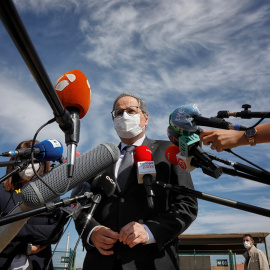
245 114
201 159
47 208
96 200
17 31
249 172
22 164
215 199
206 170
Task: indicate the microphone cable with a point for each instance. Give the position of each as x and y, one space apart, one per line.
246 160
256 124
32 161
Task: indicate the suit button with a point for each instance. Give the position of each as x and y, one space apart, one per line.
122 200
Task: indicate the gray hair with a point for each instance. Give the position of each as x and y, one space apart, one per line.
141 102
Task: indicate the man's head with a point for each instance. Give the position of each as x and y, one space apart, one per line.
130 117
248 241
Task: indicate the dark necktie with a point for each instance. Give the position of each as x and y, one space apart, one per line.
125 167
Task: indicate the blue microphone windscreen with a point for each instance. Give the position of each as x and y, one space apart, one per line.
50 150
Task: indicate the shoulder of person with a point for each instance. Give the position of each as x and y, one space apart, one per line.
159 142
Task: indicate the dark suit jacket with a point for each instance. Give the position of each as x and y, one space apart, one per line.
172 214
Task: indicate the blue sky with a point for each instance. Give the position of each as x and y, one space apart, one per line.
215 54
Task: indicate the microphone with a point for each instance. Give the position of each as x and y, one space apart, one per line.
186 118
36 193
89 164
48 150
174 156
105 183
74 92
173 136
190 145
145 170
171 153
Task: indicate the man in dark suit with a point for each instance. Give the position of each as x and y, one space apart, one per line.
125 233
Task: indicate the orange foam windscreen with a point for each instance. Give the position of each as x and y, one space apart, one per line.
171 153
73 90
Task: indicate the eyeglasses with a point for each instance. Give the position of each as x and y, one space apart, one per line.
130 110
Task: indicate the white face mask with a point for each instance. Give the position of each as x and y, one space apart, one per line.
28 173
247 244
128 126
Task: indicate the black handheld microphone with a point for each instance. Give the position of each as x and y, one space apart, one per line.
105 183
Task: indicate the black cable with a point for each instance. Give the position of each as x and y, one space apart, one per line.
32 161
230 151
10 197
259 121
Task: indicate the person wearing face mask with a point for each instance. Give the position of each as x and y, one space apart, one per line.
31 247
124 232
255 259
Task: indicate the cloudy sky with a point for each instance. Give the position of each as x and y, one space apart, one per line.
215 54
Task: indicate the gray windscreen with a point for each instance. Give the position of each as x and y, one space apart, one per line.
87 166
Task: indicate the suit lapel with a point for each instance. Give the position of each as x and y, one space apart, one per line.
151 144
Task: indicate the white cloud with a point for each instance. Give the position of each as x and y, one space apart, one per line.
229 220
22 113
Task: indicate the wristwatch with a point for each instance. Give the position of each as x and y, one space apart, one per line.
250 133
29 249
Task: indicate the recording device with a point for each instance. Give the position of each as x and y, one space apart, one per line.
74 92
187 118
146 171
48 150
